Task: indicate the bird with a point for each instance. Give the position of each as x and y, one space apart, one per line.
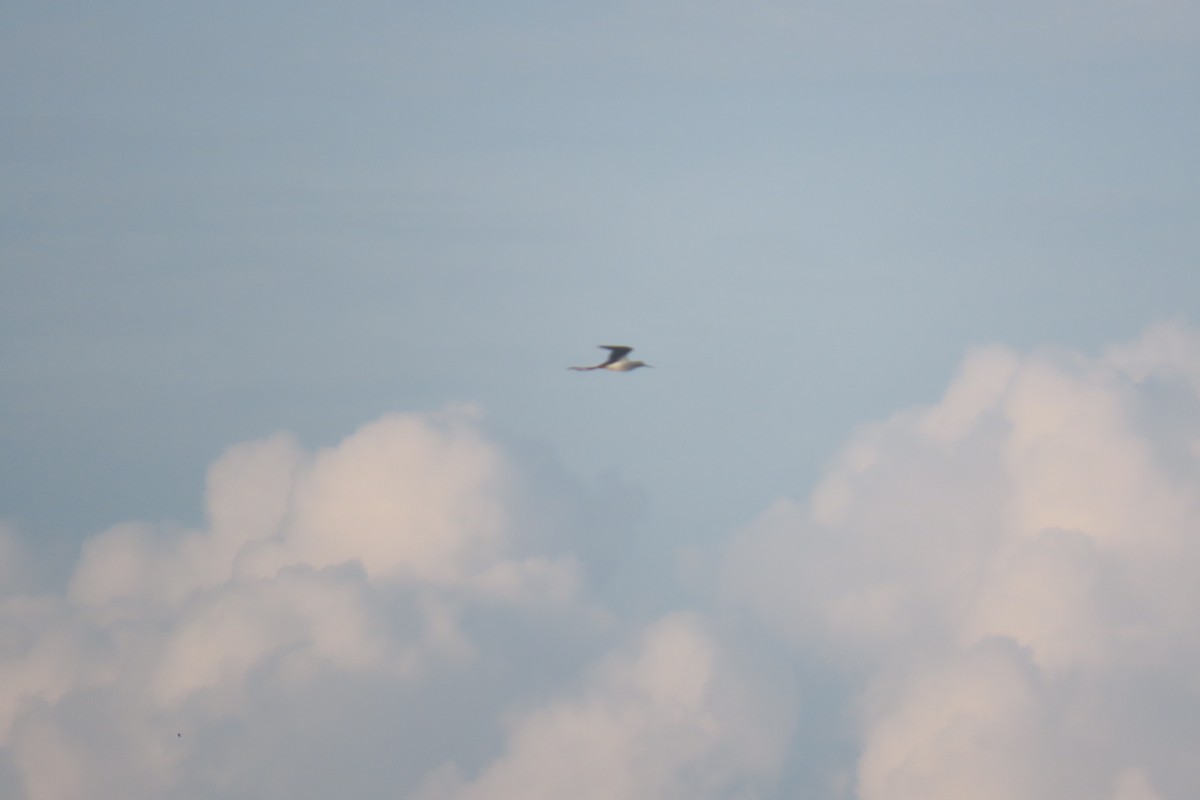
617 360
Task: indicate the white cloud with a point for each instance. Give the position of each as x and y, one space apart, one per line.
299 616
976 726
419 497
387 613
1006 579
998 589
363 559
674 716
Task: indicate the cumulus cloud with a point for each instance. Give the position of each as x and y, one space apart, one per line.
1005 580
418 497
363 559
989 597
398 613
673 716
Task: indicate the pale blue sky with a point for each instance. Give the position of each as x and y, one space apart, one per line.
223 220
220 222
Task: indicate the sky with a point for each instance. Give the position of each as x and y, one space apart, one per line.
298 498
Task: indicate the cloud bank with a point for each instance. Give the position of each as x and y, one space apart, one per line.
1006 579
989 597
672 716
395 612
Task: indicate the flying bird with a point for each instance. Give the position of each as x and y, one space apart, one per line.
617 360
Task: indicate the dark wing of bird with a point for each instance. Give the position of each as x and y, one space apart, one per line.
615 352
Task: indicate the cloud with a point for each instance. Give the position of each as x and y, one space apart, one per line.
418 497
989 597
364 563
388 615
1004 581
672 716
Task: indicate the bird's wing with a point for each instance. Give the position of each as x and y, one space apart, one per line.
615 352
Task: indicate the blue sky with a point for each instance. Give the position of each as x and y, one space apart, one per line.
254 225
221 222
